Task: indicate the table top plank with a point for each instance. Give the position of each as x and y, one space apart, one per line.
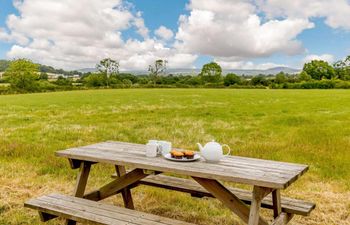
265 173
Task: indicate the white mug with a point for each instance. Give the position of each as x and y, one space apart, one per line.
165 147
156 142
152 150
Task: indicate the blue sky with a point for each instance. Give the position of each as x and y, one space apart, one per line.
6 8
326 39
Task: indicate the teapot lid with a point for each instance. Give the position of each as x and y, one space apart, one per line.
213 143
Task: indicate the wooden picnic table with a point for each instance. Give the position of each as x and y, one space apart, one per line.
267 177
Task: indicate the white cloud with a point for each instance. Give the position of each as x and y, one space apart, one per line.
335 12
226 28
140 24
325 57
164 33
76 34
4 35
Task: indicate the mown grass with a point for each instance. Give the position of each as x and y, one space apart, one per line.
303 126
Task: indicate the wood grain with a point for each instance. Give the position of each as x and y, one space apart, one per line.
277 205
126 193
80 187
254 215
89 212
228 199
288 205
117 185
282 219
257 172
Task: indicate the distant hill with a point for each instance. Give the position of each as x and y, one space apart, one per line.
271 71
42 68
87 70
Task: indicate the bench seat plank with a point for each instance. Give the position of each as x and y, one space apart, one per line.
289 205
87 211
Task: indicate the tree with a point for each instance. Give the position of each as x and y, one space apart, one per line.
342 68
95 80
211 72
4 64
231 79
22 74
319 69
303 76
193 80
61 81
157 69
108 67
43 76
281 78
259 80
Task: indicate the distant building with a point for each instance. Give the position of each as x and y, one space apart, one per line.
55 76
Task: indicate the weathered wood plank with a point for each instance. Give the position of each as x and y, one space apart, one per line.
276 200
126 193
108 207
82 179
258 195
220 165
67 213
171 167
282 219
241 161
228 199
288 205
137 217
116 185
81 183
237 169
90 212
139 148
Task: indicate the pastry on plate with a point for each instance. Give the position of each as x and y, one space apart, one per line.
176 154
188 154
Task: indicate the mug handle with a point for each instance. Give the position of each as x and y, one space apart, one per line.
229 149
159 149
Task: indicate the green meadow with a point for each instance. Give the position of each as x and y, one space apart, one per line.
302 126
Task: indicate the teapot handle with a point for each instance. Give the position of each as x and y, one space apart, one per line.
229 149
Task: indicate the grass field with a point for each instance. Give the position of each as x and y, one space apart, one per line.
302 126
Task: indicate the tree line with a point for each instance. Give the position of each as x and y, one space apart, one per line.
26 76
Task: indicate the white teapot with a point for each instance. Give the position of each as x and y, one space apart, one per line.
212 151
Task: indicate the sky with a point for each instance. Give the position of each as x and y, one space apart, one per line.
240 34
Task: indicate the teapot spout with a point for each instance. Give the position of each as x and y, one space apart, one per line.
200 146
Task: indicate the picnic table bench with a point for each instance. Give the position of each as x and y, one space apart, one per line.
268 178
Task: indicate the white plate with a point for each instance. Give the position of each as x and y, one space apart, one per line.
195 157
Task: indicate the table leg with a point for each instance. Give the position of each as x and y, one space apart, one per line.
116 185
81 184
282 219
258 195
126 193
228 199
276 199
